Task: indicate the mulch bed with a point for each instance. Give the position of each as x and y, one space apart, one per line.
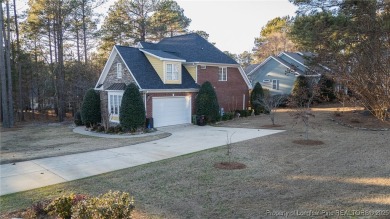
230 165
308 142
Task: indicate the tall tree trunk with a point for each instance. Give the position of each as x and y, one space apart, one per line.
61 78
4 98
78 43
84 32
50 48
9 76
18 66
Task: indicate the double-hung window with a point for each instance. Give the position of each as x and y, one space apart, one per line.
275 84
172 72
222 74
118 70
114 105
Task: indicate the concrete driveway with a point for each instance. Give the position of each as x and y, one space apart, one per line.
185 139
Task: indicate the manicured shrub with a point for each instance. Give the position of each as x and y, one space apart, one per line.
256 95
62 206
90 110
77 119
110 205
38 210
132 111
228 116
100 129
118 129
207 103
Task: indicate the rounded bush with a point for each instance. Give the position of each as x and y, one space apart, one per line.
90 109
132 111
207 103
256 95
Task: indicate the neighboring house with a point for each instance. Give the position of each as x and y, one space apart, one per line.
271 73
169 74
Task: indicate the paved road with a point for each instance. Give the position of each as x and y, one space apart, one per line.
185 139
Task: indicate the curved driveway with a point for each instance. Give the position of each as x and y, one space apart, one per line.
185 139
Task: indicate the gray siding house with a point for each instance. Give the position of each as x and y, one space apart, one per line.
271 73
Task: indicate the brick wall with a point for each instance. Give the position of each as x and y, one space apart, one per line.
230 93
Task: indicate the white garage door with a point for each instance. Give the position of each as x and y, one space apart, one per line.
171 110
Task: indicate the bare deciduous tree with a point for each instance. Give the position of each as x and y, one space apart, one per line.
270 103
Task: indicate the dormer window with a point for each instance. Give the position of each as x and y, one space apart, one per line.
119 70
172 72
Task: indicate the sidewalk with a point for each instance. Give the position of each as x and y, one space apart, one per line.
186 139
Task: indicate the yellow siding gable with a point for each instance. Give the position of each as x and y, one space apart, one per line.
192 70
157 64
179 76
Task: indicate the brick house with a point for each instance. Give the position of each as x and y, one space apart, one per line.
169 74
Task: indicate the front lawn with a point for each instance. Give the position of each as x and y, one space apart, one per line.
350 171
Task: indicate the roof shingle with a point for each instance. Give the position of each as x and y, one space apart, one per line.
192 48
145 74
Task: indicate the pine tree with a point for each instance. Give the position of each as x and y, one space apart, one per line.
207 103
90 110
256 95
132 110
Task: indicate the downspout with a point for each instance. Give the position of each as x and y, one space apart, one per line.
146 111
243 101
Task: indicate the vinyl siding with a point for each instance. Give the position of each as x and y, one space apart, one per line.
157 64
192 70
274 70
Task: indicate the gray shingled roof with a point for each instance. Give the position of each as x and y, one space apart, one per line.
289 65
300 57
145 74
250 68
161 54
117 86
192 48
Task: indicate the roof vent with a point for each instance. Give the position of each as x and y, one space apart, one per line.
202 67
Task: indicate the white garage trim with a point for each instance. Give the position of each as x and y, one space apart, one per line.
171 110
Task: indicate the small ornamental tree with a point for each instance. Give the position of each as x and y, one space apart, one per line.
207 103
257 95
305 90
90 110
132 110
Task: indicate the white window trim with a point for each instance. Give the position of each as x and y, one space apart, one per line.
276 81
111 101
173 64
224 73
119 70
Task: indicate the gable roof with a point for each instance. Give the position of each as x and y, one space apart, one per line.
192 48
249 68
162 55
145 74
300 57
281 61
